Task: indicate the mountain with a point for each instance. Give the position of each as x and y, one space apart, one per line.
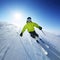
14 47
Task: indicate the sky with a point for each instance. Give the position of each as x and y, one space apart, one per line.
44 12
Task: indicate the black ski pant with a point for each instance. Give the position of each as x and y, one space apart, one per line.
33 34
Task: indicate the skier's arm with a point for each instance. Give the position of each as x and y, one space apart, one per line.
37 26
24 28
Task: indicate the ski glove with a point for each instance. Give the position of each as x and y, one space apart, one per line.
40 28
21 34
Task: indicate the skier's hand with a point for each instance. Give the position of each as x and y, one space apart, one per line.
40 28
21 34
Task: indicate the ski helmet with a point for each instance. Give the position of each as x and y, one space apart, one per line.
29 19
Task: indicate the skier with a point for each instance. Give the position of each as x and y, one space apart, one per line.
30 28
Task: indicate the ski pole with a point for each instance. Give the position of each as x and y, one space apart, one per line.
43 32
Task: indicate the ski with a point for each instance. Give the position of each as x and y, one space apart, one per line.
44 43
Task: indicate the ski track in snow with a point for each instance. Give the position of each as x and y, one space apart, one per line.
52 53
13 47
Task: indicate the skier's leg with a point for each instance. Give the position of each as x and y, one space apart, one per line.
37 37
33 34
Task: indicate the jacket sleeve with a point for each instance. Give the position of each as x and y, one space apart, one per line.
37 26
24 28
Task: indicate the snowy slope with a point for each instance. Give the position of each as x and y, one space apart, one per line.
13 47
52 39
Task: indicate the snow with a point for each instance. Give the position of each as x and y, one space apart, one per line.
53 39
13 47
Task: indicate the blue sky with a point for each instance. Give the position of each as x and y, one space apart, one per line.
45 12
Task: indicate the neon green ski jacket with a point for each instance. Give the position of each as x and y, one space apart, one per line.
30 27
